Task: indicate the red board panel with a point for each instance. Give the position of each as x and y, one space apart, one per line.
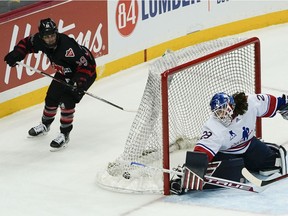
86 22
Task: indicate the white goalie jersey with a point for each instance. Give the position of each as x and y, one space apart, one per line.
235 138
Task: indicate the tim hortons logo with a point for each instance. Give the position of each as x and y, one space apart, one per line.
92 41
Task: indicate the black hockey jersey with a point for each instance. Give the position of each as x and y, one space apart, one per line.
68 58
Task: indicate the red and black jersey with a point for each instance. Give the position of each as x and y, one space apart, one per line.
68 58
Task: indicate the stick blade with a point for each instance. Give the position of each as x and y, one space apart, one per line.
251 178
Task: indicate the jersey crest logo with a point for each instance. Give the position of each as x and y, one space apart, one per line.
245 133
232 134
69 53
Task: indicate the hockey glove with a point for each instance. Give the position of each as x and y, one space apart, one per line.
12 57
283 110
79 87
187 182
175 186
176 181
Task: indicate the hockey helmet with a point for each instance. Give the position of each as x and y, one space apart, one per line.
222 106
46 27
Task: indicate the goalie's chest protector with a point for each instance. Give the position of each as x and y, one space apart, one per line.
235 138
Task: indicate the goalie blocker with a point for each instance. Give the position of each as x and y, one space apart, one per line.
196 167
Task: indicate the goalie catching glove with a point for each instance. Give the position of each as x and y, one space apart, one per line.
283 107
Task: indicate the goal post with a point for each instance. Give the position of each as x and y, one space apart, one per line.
174 106
254 43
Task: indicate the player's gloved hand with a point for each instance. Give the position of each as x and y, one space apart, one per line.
285 98
12 57
79 86
283 110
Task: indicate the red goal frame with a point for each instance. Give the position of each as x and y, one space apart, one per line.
164 94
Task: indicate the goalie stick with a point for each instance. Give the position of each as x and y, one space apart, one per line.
70 86
258 182
225 183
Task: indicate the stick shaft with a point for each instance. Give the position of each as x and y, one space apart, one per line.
70 86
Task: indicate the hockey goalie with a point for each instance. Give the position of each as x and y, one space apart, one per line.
228 143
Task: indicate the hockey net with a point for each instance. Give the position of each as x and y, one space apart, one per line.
174 106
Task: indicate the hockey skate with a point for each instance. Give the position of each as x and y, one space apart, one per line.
38 130
59 142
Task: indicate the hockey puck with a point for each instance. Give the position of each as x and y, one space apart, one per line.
126 175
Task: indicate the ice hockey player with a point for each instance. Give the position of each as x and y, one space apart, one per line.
228 140
73 64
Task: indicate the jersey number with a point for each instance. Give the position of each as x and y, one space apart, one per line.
206 134
260 97
83 61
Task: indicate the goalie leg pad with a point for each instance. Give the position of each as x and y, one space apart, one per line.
283 154
280 164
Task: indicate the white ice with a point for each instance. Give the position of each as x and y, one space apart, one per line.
34 181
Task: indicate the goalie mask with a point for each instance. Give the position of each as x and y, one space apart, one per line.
222 106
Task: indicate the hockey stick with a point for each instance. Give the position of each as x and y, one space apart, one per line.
157 169
70 86
258 182
225 183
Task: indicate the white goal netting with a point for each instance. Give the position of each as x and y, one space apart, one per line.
203 70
